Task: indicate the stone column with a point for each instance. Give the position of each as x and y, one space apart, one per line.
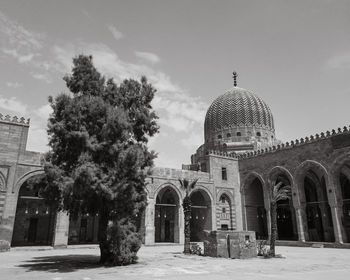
181 225
61 230
300 224
149 222
268 222
335 204
336 215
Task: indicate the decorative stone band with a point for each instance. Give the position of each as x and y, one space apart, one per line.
236 146
244 125
14 119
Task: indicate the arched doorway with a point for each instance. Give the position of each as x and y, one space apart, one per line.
286 220
83 230
34 221
166 220
225 221
318 212
254 208
200 214
344 180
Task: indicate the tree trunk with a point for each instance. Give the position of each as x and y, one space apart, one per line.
273 213
187 229
102 238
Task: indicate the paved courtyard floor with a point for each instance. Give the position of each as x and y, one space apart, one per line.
167 262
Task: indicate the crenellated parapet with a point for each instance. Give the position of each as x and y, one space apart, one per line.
222 154
295 143
14 120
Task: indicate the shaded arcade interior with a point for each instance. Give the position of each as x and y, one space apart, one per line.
166 218
319 222
200 214
255 213
34 221
344 184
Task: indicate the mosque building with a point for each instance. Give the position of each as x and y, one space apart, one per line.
237 165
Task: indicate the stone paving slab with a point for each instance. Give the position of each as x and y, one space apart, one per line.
167 262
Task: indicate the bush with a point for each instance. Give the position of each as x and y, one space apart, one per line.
196 249
124 243
4 246
262 248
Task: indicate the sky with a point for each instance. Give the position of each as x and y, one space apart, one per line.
294 54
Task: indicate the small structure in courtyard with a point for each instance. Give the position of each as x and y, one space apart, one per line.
230 244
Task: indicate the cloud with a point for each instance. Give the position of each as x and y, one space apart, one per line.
37 136
14 84
193 140
180 111
43 112
12 105
20 43
177 110
339 61
115 32
109 63
19 36
21 58
147 56
42 77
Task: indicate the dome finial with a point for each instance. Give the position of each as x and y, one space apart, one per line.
234 75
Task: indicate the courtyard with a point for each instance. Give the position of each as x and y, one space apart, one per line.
167 262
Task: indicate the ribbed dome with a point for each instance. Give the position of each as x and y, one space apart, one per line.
238 108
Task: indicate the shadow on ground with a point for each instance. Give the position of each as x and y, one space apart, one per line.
65 263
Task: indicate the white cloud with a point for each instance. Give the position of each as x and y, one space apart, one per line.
177 110
19 36
21 58
109 63
38 139
115 32
339 61
14 84
180 111
20 43
42 77
193 140
12 105
44 112
147 56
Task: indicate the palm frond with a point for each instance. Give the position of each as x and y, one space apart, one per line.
181 183
184 183
280 192
193 183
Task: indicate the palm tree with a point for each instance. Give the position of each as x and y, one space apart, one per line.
186 204
278 193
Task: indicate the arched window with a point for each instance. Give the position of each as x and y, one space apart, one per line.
228 135
258 134
219 136
239 134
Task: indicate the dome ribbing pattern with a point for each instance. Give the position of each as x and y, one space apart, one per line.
238 108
